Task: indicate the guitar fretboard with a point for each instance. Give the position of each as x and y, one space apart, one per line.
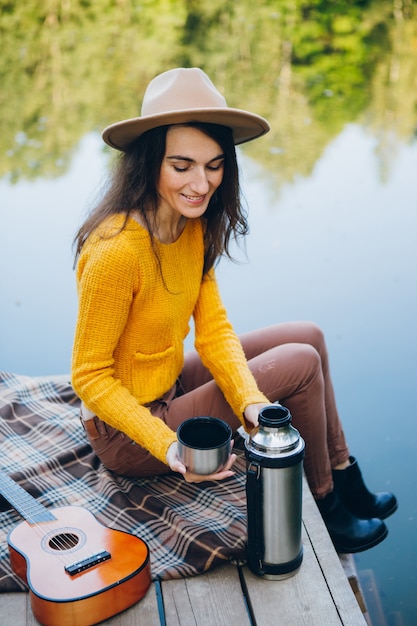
29 508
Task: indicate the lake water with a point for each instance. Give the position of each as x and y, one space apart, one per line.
338 247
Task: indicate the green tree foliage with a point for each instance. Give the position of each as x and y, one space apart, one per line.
70 67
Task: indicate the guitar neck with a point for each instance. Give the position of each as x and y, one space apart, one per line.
29 508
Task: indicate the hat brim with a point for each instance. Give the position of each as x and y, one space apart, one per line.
245 126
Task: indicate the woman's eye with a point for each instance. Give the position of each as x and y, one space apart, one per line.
210 168
215 167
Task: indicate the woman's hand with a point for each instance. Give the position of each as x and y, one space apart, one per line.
176 465
251 414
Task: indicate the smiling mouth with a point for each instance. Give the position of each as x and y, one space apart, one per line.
194 198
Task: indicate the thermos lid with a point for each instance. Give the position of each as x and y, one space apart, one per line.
275 436
275 416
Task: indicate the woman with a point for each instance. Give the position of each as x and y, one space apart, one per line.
145 267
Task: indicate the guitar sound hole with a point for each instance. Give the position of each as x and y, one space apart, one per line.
63 541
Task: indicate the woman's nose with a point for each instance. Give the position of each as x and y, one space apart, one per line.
200 182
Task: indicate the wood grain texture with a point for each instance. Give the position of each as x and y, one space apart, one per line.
213 598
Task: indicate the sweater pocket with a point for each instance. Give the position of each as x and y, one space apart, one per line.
155 358
154 373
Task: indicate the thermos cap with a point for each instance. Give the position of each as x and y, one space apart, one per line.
274 416
275 437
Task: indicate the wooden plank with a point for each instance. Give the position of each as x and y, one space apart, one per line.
318 594
351 574
328 559
301 599
30 618
15 610
212 598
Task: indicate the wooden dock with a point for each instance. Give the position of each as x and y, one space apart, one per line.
318 595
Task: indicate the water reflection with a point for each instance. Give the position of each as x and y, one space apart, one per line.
309 67
338 247
38 304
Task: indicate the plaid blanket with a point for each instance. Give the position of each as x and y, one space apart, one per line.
188 528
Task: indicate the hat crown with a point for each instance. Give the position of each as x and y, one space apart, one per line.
181 89
180 96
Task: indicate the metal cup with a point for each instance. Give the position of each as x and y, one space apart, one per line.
204 444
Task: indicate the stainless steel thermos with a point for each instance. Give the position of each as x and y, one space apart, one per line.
274 472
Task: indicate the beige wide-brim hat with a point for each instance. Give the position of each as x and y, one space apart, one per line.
184 95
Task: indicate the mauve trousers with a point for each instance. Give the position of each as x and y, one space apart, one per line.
290 364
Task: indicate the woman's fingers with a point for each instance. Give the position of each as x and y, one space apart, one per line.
225 472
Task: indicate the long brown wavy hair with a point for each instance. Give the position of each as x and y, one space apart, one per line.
134 187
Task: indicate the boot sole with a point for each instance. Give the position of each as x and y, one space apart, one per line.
353 550
390 512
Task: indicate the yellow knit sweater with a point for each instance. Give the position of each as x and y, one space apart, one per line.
128 347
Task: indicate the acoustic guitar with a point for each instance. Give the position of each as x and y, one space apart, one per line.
78 571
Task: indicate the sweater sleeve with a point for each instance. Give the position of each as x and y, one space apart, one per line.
221 351
105 295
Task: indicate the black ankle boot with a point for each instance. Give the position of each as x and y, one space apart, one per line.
357 498
349 533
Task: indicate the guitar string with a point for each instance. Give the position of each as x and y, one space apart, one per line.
31 511
58 535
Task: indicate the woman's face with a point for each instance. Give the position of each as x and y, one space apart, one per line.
191 171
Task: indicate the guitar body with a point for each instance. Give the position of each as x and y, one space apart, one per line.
78 571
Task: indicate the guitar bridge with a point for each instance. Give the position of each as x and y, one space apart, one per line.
94 559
